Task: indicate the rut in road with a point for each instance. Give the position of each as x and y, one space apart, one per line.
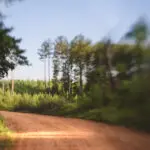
37 132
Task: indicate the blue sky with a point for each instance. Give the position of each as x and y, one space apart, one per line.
36 20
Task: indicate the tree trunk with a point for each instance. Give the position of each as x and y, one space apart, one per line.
48 90
70 75
3 87
108 67
49 71
70 82
81 82
45 72
12 82
109 72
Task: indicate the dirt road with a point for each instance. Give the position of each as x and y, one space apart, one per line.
37 132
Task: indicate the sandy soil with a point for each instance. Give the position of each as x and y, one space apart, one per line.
37 132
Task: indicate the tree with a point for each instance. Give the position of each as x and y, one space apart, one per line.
97 72
11 54
80 48
122 59
100 65
139 32
44 52
63 51
107 61
56 67
57 59
49 48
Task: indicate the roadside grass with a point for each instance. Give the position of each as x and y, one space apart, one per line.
6 142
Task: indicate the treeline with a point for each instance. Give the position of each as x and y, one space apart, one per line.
83 63
112 79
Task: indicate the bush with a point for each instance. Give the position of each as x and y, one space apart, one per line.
96 96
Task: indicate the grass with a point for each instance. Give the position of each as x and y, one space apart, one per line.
5 136
4 131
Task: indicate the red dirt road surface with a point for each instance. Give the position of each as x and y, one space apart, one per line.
37 132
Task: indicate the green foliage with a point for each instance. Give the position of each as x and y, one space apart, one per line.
37 103
122 99
96 95
81 46
5 139
139 31
11 54
3 128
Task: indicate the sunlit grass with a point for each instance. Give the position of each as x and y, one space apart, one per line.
6 140
4 131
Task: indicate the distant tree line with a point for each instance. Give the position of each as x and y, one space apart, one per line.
104 63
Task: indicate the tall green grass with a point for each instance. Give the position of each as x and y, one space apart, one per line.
6 142
37 103
3 129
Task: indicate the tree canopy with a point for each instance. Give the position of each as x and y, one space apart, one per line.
11 54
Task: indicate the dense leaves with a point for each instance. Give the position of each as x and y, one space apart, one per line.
11 54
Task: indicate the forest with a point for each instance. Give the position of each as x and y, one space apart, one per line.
102 81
